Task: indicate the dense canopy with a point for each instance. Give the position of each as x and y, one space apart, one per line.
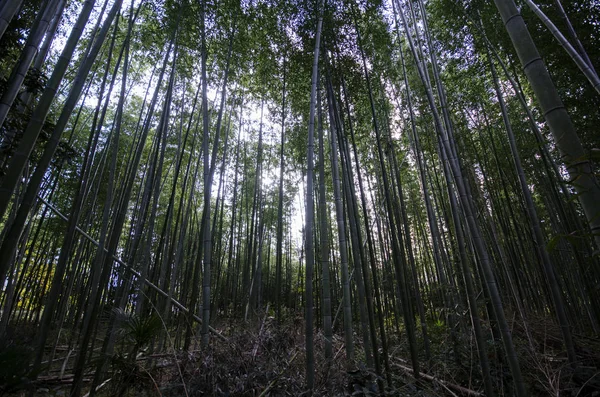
330 197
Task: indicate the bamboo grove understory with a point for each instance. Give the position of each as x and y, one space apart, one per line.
416 179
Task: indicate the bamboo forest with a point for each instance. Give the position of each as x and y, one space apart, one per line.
299 198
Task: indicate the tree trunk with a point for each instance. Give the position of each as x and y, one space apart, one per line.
309 216
560 124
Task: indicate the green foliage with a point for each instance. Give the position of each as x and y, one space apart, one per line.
137 329
270 40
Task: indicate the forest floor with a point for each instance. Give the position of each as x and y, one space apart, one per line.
263 359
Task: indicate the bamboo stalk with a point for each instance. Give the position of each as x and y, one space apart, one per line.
447 385
135 273
581 63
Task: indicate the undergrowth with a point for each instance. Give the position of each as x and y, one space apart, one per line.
260 358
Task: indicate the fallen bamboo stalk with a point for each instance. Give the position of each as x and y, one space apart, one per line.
100 386
260 331
457 388
127 267
67 379
274 381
